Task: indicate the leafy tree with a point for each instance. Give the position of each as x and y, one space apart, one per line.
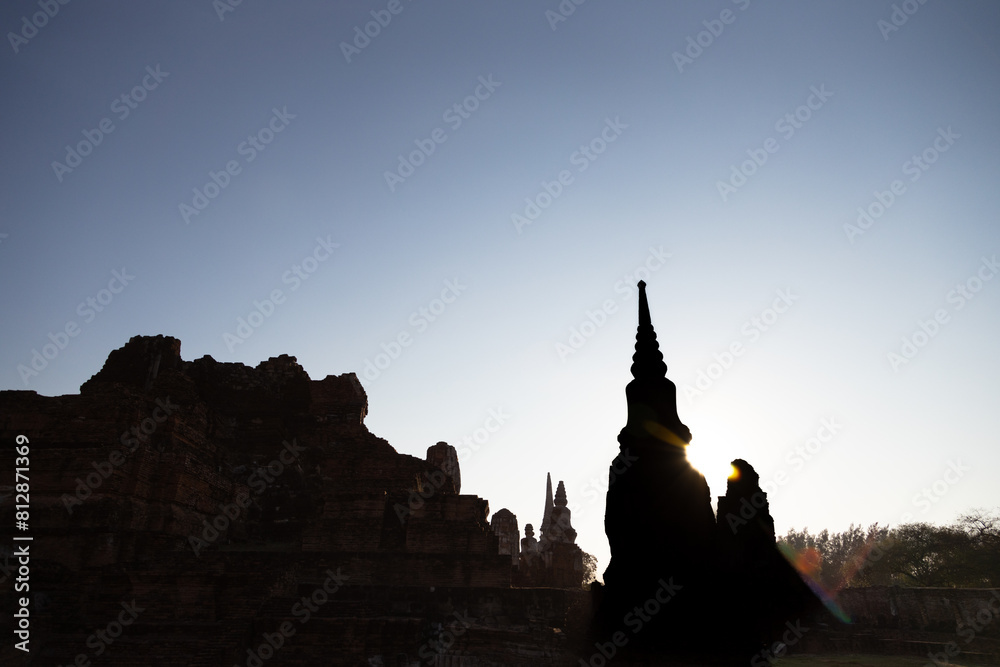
589 569
983 561
965 553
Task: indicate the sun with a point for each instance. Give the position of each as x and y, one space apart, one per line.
711 462
711 452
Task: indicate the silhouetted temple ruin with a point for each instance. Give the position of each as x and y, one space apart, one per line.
217 497
504 525
683 579
555 560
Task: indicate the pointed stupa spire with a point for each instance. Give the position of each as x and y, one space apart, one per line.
647 362
547 515
560 500
562 528
652 397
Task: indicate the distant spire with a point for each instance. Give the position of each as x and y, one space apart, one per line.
560 500
562 529
647 362
547 515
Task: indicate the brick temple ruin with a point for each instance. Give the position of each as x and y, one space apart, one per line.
225 502
552 561
206 513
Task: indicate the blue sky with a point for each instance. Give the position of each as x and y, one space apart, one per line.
720 150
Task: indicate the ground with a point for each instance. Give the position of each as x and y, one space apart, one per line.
859 660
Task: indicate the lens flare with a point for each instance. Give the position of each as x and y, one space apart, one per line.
806 563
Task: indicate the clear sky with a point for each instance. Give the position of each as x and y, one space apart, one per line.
807 184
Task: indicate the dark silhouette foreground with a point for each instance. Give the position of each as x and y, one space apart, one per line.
683 580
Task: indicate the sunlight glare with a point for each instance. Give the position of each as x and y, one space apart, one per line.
711 452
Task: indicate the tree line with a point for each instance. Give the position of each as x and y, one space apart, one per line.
963 554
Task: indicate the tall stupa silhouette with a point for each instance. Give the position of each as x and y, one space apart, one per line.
681 581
